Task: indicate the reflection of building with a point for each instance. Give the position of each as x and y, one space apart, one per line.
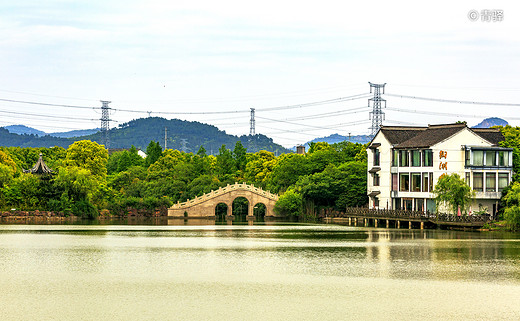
404 163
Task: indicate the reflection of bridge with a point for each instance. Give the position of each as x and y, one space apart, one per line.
204 206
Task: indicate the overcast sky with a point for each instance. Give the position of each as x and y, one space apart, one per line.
214 56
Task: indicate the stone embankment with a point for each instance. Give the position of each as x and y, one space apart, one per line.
35 213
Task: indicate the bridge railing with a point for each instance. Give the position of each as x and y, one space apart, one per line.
224 190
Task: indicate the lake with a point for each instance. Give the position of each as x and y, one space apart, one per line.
266 271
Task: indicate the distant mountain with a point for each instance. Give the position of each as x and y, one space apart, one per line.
337 138
22 129
181 135
31 140
490 122
75 133
25 130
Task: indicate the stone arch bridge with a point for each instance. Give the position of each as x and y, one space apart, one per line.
204 206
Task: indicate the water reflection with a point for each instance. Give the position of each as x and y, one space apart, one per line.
180 262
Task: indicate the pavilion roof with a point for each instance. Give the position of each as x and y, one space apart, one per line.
40 167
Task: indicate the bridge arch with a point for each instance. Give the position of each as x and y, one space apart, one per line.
222 210
259 210
241 206
205 205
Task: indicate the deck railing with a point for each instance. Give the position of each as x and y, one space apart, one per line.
406 214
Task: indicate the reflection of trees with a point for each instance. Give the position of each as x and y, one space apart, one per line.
259 210
449 255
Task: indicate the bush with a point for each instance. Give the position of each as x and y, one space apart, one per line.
84 208
289 204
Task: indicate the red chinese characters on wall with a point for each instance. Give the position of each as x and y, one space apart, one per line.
443 165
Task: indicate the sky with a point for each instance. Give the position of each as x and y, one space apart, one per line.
219 59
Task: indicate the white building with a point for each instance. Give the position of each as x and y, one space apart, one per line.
404 164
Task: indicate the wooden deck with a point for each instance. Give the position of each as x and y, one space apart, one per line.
395 218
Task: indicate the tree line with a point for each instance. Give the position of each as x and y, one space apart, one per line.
87 180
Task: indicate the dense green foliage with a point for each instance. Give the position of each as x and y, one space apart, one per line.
512 208
86 179
512 140
453 192
510 201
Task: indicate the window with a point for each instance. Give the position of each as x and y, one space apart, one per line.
431 182
478 158
395 182
467 157
478 181
416 182
503 181
404 182
425 184
376 179
503 158
403 158
397 203
428 157
416 158
407 204
376 201
395 157
376 157
491 182
419 204
491 159
468 179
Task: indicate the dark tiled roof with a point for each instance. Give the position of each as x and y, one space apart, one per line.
396 135
492 135
39 168
431 136
422 137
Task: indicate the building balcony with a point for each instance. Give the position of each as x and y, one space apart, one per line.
406 194
488 195
488 167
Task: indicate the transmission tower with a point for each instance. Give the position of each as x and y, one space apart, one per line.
105 122
184 142
376 114
252 123
165 138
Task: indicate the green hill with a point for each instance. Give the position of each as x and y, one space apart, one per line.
182 135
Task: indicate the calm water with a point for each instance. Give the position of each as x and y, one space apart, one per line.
259 272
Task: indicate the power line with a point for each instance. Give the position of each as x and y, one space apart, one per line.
317 103
458 87
181 112
285 107
47 116
331 114
455 101
435 113
43 95
314 128
46 104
